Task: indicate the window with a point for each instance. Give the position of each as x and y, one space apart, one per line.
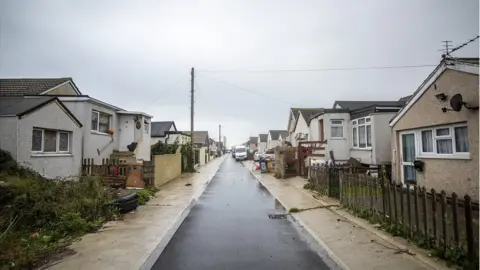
50 141
100 121
362 133
445 140
336 129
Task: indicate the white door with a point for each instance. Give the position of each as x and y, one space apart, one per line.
407 156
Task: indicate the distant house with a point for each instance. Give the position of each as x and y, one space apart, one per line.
356 129
41 133
443 143
274 138
212 148
262 142
166 132
252 143
202 143
299 123
107 129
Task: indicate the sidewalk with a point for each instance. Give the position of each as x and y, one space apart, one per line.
136 241
351 242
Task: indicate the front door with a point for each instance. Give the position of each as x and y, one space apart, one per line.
407 157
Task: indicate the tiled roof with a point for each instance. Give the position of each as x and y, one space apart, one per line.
253 140
263 137
159 128
20 106
306 112
28 86
354 105
199 137
275 134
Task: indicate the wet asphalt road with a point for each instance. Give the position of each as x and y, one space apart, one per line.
229 228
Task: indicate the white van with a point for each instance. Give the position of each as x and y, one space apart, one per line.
240 153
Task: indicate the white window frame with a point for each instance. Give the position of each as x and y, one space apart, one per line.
337 125
434 154
57 146
356 129
98 121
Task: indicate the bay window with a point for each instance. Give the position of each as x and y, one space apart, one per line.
50 141
362 133
444 140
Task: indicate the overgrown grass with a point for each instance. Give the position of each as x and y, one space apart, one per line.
144 195
453 255
41 217
308 186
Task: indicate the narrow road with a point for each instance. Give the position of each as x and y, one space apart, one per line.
230 228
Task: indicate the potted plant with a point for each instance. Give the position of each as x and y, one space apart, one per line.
111 132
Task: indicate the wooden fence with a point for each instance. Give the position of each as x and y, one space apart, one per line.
114 173
437 220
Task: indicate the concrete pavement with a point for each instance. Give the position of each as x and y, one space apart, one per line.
230 228
136 241
349 241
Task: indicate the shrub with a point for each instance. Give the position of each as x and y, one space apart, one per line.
161 148
39 217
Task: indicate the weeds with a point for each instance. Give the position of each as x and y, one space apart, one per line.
308 186
294 210
144 195
41 217
453 255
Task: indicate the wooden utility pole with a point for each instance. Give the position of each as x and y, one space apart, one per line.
220 136
192 81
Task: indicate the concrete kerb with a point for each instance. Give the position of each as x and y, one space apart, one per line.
424 259
363 224
302 224
153 257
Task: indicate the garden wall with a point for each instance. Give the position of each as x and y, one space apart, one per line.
167 168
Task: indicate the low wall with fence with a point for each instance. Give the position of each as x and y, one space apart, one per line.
434 219
167 168
114 173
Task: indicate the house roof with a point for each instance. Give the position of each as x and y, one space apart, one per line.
327 110
253 140
354 105
211 141
467 65
159 128
220 145
31 86
263 137
305 112
199 137
276 133
20 106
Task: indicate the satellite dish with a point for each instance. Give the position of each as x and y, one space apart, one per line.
456 102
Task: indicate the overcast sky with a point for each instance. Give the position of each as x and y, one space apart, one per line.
130 53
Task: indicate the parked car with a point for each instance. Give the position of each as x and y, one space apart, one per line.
257 156
269 155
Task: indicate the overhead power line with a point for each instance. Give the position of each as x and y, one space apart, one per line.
168 88
315 69
249 91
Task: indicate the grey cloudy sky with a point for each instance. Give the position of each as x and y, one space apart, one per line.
130 53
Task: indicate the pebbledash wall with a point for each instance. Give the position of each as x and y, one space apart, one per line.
167 168
459 175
